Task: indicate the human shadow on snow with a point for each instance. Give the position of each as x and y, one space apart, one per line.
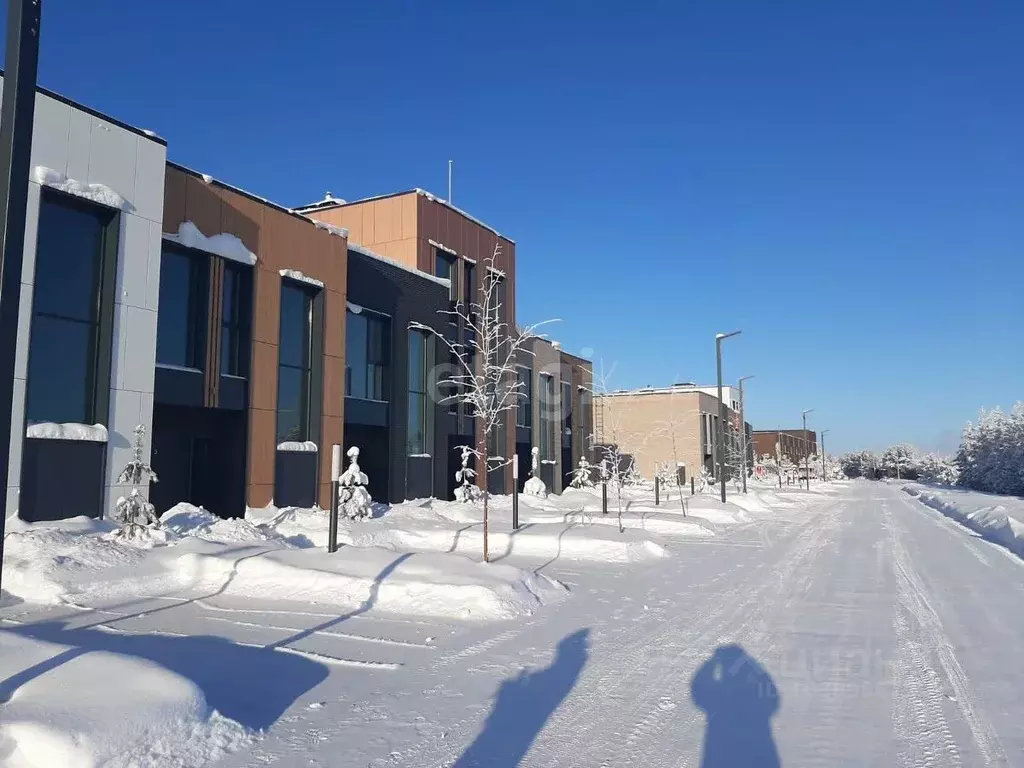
740 698
523 705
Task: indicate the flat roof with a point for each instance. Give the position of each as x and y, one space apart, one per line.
685 390
329 203
145 133
362 250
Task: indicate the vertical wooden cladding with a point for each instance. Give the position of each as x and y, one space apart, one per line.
387 225
280 240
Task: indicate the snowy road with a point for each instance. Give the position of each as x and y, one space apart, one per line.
876 632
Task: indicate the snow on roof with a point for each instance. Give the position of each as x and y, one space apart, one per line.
362 249
97 193
334 230
337 202
244 192
223 244
675 389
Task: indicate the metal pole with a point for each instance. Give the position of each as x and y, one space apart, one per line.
450 162
16 118
604 486
332 527
807 453
515 492
657 488
693 486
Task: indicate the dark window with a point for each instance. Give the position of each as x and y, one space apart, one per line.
586 414
470 285
367 356
181 321
566 406
293 376
451 391
236 316
547 417
420 434
524 407
65 380
444 266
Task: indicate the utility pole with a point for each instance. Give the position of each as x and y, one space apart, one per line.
719 449
450 164
807 451
743 433
16 118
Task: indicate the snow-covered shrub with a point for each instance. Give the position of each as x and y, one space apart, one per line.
582 475
135 515
942 470
859 464
354 499
535 486
991 454
467 491
899 461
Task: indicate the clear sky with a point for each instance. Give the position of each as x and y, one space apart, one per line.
843 181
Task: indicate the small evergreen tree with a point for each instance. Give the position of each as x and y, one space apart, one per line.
581 476
134 513
353 498
468 491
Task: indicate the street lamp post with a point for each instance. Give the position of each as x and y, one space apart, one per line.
743 433
824 432
719 449
17 114
807 451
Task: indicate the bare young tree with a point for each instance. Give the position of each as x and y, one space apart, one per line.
484 376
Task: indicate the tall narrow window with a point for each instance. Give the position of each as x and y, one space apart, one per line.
524 406
367 356
181 322
420 434
547 416
469 289
236 317
66 374
293 374
444 267
566 407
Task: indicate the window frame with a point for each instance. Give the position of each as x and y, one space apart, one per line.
306 409
419 390
371 316
525 398
197 312
97 380
237 329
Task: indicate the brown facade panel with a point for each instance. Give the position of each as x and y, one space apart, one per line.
280 240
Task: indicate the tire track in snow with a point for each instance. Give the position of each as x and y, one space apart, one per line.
920 718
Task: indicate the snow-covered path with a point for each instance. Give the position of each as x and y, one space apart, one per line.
875 631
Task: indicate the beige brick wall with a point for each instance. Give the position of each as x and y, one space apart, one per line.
644 424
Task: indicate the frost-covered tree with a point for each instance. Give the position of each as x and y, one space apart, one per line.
899 461
534 486
859 464
354 499
467 490
582 476
136 515
991 454
942 470
484 380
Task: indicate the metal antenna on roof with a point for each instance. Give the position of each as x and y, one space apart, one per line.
450 163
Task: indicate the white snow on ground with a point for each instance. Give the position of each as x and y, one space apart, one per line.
223 244
49 430
997 518
76 708
97 193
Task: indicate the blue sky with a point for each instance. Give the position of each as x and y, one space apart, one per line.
844 182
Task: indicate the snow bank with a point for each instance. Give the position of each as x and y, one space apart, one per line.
541 542
102 708
997 518
184 519
356 579
224 244
294 274
97 193
48 430
52 563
